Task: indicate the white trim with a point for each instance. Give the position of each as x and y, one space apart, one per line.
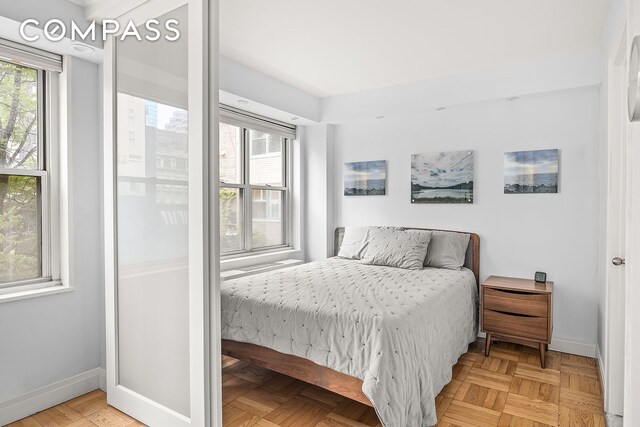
564 345
262 258
103 379
49 396
214 325
603 377
203 143
47 288
236 273
241 118
581 348
57 221
64 175
29 56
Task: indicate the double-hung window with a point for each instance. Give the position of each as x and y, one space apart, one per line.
26 159
254 183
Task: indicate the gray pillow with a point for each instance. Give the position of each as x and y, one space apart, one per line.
395 247
353 242
447 250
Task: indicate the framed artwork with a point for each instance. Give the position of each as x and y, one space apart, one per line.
445 177
365 178
531 172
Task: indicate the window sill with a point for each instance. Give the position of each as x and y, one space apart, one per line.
264 258
234 274
49 288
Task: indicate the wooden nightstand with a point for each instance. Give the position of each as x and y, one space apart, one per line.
517 310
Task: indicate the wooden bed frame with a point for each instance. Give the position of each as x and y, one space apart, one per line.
307 371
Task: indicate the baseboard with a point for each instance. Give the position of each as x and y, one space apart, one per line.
43 398
603 378
581 348
103 379
564 345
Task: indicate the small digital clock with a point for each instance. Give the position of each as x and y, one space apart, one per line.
540 277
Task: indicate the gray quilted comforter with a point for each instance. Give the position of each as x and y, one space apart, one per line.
400 331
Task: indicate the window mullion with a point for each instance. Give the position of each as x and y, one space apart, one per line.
40 119
45 227
43 161
247 199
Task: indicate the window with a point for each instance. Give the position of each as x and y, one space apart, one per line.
254 188
26 185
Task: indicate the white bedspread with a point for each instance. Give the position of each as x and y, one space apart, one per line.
400 331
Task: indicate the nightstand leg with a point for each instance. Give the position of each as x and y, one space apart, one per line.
543 349
487 346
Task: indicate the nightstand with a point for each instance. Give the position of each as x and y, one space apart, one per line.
518 311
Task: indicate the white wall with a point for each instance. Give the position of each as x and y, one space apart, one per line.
520 234
51 338
317 152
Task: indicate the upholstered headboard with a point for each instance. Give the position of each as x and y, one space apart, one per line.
472 259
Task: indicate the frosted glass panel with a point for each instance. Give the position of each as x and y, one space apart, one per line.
152 217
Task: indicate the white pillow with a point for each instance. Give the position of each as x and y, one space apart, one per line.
353 242
395 247
447 250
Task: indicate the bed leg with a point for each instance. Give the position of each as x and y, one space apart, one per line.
487 346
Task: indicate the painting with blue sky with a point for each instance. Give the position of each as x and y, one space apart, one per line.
445 177
365 178
533 171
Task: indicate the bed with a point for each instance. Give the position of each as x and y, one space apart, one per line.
386 337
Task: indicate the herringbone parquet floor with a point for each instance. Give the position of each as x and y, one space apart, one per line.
507 389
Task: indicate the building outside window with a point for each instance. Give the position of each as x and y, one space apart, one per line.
254 188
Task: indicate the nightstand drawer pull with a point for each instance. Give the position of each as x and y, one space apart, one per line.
514 314
514 325
531 304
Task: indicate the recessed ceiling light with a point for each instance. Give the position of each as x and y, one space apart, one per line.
513 98
83 48
380 117
243 101
294 118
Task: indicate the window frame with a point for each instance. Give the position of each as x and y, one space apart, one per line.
50 280
245 192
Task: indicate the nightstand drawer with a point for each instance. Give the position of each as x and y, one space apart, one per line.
532 304
515 325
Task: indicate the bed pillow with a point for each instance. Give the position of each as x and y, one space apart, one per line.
395 247
447 250
353 242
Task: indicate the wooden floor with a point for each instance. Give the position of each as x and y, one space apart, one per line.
89 410
507 389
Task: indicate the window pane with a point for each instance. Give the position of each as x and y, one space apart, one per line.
267 227
266 159
18 116
231 238
20 247
230 154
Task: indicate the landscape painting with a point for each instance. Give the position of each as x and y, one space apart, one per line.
531 172
365 178
445 177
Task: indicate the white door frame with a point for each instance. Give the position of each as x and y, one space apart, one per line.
632 314
613 381
204 309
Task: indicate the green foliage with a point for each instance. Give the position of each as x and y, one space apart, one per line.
229 232
19 229
19 210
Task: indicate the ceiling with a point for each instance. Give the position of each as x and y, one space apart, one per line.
333 47
83 3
